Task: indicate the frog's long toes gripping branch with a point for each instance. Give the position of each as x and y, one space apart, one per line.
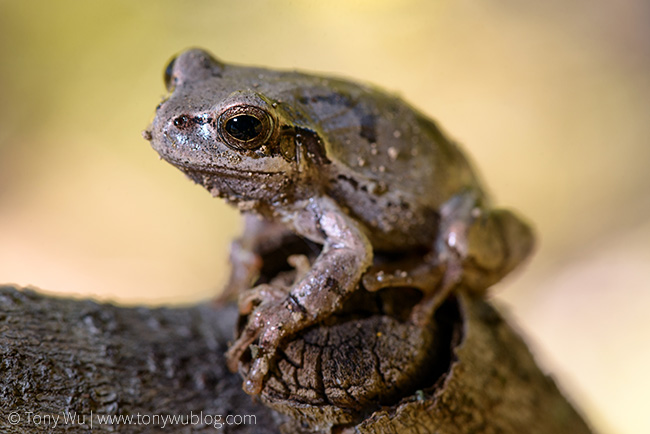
255 378
263 354
268 324
259 367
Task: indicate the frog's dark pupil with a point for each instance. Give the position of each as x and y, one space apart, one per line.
244 127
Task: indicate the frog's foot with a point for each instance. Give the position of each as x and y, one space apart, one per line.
450 276
266 325
434 278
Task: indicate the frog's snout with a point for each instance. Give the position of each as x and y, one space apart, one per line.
185 132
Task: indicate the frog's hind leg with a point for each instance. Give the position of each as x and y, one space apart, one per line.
447 254
487 243
475 247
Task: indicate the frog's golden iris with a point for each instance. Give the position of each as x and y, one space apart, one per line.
245 127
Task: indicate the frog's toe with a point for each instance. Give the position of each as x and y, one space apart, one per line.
255 378
248 335
251 298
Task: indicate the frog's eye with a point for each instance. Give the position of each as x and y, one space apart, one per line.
245 127
169 76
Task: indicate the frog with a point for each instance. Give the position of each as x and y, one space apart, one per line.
346 166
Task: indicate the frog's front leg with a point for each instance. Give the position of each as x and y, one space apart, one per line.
346 254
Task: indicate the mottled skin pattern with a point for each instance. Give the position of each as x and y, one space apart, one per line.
343 165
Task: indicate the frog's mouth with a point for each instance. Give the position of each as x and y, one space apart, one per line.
206 163
225 162
224 171
238 185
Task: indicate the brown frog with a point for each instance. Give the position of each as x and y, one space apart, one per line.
343 165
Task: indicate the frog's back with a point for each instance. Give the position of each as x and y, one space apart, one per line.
389 165
381 138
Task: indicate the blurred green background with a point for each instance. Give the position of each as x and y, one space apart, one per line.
551 99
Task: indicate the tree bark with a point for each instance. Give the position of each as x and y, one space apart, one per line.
77 359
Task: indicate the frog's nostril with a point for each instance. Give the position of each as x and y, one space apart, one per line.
181 121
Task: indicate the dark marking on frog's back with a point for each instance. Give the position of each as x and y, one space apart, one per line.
367 117
353 182
368 125
335 99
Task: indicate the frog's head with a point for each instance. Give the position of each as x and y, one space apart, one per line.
221 130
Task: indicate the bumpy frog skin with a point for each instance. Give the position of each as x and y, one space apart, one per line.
341 164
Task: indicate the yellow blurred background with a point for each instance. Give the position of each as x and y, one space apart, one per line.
551 100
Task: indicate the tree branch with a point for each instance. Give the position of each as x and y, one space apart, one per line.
64 357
